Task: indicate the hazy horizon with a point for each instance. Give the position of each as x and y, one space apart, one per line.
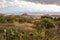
32 13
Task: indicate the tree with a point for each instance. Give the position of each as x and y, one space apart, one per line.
46 17
47 23
44 25
2 19
57 19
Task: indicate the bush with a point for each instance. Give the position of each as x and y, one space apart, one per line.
46 17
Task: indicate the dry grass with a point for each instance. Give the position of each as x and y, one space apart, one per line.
24 26
16 25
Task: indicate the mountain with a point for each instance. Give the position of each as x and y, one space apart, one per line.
31 13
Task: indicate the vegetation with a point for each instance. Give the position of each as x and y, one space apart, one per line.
26 27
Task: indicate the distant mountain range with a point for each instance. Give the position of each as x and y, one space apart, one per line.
32 13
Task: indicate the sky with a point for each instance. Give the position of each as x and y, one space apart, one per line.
12 6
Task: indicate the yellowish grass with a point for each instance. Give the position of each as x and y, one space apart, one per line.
24 26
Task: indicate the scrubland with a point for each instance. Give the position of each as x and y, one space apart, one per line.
26 27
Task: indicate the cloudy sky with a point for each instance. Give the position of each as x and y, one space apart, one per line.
29 6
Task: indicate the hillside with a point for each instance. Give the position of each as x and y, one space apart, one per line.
29 27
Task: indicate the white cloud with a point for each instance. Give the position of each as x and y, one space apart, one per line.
25 6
